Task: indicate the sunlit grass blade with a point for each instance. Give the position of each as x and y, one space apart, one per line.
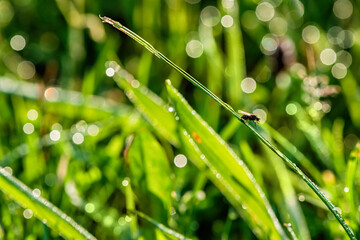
42 209
150 176
61 100
290 207
195 82
230 174
152 107
291 231
236 55
168 231
350 181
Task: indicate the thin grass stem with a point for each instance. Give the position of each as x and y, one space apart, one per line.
195 82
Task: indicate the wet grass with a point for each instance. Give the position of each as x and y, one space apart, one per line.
107 153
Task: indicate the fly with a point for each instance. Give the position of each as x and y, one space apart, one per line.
249 116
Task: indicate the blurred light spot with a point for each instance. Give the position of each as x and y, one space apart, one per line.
278 26
227 21
344 57
210 16
194 48
17 42
28 213
268 45
301 198
8 170
333 35
227 4
346 38
249 20
201 195
261 114
298 69
339 71
180 160
135 83
26 69
110 72
350 141
6 13
121 221
343 9
328 56
56 126
28 128
89 207
265 11
326 107
283 80
248 85
97 32
291 109
32 114
128 218
171 109
125 182
311 34
55 135
81 126
93 130
50 179
328 176
51 94
36 192
78 138
318 105
108 220
346 189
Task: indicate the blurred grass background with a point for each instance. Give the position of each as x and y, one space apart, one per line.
65 124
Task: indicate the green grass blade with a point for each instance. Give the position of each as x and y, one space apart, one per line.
152 107
150 175
168 231
195 82
42 209
350 180
236 56
308 181
290 206
230 174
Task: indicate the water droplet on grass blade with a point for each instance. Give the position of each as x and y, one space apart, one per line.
36 192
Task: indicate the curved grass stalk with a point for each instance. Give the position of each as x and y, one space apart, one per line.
195 82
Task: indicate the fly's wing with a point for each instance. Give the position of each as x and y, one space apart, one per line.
244 113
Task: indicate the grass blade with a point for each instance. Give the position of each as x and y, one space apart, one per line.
150 175
350 180
195 82
230 174
42 209
152 107
168 231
